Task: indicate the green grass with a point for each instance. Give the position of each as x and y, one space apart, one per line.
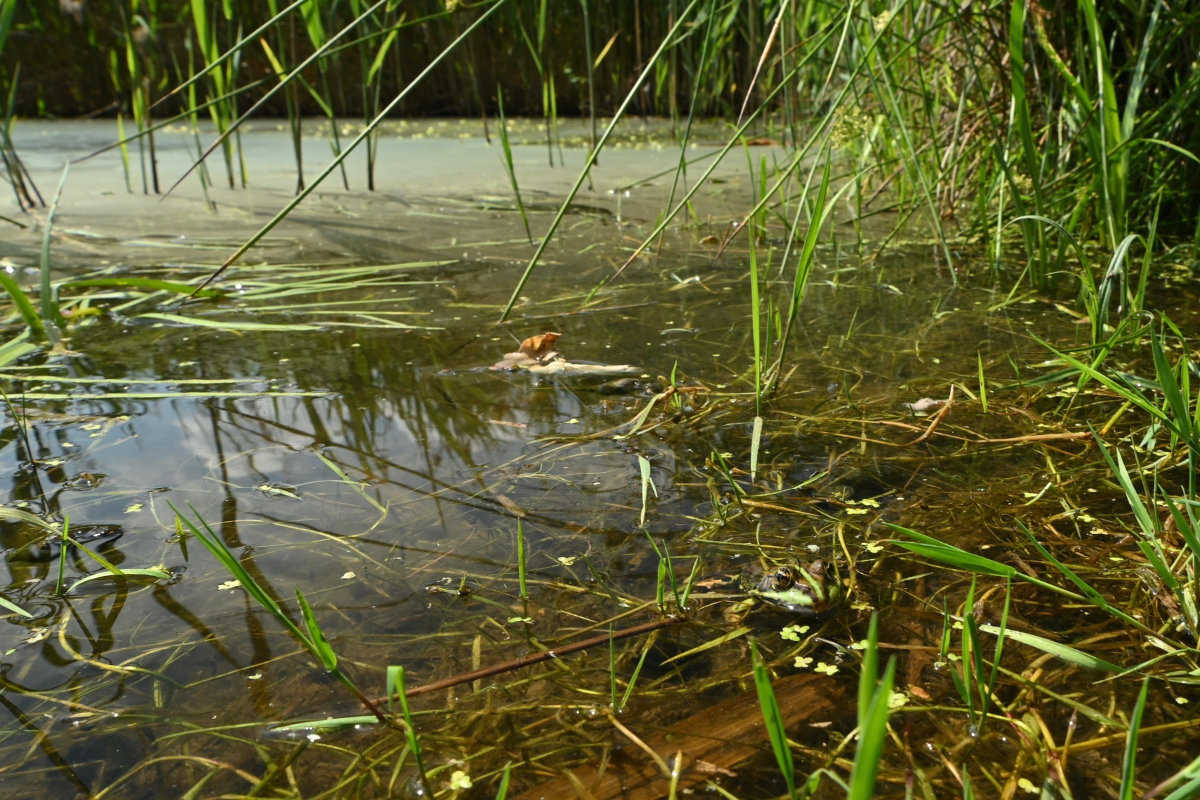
1061 135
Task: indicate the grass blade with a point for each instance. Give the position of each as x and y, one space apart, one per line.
773 719
872 718
1128 771
508 162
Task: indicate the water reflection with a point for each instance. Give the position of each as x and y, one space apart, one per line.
385 471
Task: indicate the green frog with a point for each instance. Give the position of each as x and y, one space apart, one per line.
801 590
809 591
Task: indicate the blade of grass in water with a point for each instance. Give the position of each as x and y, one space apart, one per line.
637 670
521 564
508 162
502 791
756 313
24 307
755 444
983 398
313 640
647 487
14 608
956 557
111 570
200 322
50 311
18 515
874 707
1129 764
395 687
356 485
143 283
773 719
1070 655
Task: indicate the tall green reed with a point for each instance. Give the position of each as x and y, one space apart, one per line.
222 76
315 26
377 27
305 191
24 188
509 167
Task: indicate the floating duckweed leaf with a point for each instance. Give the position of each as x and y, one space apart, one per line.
793 632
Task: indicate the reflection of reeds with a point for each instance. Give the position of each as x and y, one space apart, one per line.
311 636
956 116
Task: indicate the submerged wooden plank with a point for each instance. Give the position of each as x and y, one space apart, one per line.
717 738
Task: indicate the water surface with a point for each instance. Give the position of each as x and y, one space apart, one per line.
357 447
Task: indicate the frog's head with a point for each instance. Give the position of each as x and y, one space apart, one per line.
801 590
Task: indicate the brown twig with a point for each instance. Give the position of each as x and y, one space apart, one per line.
937 420
537 658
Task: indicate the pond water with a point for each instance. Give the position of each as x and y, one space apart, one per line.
334 420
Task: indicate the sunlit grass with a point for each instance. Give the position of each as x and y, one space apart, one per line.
907 111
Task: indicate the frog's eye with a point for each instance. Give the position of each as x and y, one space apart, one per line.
783 578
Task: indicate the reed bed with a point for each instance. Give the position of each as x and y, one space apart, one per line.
975 625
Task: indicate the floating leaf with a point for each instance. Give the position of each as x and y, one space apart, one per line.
230 326
1051 647
14 608
540 347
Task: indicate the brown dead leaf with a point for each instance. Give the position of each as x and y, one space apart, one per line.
540 347
703 767
711 241
919 693
923 405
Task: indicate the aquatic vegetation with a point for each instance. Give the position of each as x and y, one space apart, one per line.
512 568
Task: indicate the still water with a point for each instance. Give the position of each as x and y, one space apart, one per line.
334 420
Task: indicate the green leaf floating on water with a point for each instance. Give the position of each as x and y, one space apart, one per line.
32 519
14 608
125 574
230 326
1051 647
145 283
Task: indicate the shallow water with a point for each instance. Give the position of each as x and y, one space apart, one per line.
362 452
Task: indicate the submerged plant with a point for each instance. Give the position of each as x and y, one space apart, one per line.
311 636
